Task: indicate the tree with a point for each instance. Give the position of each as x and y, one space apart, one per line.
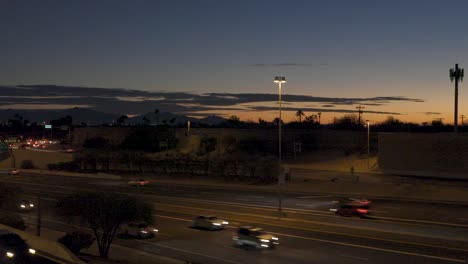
121 119
299 115
103 213
146 121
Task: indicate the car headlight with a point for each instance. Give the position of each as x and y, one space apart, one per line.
216 224
265 240
32 251
155 230
263 245
274 238
225 223
23 206
32 205
10 255
144 231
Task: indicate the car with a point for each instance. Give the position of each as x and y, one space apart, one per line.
138 229
26 205
352 209
14 249
138 183
209 222
14 172
255 237
360 201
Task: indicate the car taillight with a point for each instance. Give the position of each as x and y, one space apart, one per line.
363 211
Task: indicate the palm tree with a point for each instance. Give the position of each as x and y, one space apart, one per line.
299 115
156 112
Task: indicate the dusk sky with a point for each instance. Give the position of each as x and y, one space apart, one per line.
332 49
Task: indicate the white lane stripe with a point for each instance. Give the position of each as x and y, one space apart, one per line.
190 252
258 207
372 248
353 257
314 196
336 233
174 218
368 247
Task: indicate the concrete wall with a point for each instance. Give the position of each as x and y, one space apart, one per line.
433 155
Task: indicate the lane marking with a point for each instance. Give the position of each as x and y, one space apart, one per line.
154 244
370 248
336 233
190 252
193 229
174 218
353 257
267 208
391 207
374 248
314 196
301 221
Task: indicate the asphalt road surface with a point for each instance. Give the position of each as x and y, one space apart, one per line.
398 232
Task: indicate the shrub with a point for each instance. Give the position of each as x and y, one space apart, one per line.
65 166
14 221
76 241
27 164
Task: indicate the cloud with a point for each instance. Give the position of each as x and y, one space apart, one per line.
117 100
430 113
286 64
268 108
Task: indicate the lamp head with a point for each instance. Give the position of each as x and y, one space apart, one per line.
279 79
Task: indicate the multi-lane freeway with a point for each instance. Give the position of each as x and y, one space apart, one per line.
398 232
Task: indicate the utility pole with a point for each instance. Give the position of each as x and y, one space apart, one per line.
38 224
319 114
462 123
456 74
359 108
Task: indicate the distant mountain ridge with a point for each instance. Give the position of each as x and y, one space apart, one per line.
93 117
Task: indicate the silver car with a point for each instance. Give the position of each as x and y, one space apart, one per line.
255 237
209 222
140 230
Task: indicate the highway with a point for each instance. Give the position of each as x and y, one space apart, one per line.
405 232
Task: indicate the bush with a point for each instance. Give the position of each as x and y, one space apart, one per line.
14 221
76 241
27 164
65 166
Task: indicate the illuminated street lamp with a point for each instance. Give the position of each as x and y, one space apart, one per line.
279 80
368 144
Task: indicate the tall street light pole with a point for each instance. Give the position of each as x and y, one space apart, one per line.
456 74
279 80
368 144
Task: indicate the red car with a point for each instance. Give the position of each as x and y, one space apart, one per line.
352 209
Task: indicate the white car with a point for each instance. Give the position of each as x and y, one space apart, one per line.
138 183
209 222
138 229
255 237
26 205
